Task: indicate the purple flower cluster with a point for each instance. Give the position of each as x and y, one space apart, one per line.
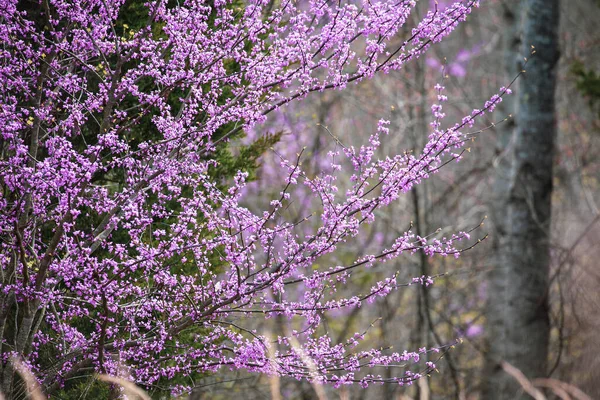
145 273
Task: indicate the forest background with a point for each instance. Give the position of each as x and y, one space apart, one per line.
462 195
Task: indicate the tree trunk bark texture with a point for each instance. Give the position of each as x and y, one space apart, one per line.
517 314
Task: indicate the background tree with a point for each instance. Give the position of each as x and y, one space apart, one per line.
129 252
517 314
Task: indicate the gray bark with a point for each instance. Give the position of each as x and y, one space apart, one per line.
517 312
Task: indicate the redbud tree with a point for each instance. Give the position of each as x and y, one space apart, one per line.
124 251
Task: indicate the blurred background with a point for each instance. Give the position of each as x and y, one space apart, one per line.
528 293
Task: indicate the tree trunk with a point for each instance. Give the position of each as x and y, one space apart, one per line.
517 314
